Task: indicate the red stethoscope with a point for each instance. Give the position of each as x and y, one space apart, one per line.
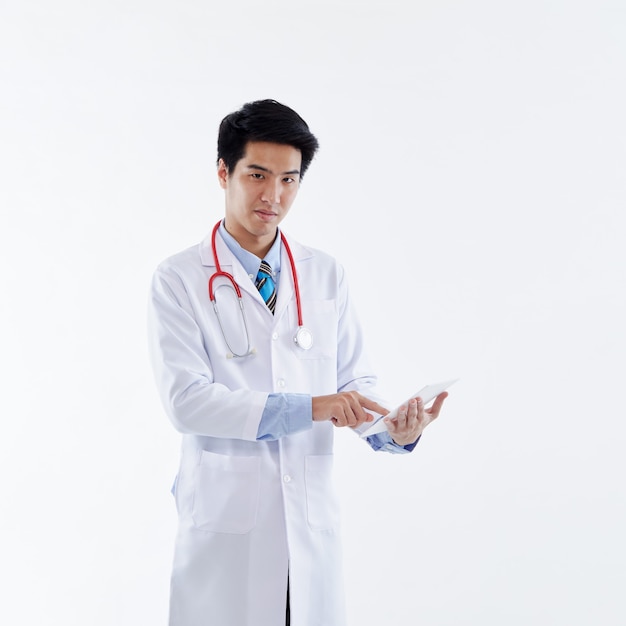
303 337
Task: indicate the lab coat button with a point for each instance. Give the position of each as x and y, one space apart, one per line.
280 382
274 336
287 478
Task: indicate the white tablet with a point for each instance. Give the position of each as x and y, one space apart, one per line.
427 394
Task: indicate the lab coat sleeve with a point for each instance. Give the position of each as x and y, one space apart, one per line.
353 368
193 401
354 372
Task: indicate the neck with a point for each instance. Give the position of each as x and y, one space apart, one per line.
257 245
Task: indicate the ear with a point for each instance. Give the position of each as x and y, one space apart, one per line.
222 173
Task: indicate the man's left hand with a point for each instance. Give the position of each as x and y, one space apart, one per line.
412 419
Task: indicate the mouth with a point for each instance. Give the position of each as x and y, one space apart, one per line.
265 215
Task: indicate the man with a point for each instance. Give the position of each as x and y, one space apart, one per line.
257 391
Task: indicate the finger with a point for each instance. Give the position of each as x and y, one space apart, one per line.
419 410
352 418
401 419
356 414
366 403
411 422
340 419
437 404
362 417
391 425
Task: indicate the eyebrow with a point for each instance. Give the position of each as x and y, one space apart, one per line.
254 166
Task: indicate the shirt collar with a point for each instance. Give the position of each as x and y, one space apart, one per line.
249 261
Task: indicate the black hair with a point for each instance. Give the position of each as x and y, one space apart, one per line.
264 120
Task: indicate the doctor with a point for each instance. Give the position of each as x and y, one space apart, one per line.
257 384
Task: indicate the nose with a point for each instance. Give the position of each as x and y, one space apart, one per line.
272 192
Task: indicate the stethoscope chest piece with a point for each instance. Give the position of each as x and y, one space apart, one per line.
303 338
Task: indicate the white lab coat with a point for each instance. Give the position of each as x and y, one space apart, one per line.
251 511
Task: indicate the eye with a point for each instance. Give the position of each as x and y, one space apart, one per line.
289 180
257 176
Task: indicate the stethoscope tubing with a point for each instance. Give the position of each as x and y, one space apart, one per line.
303 337
294 274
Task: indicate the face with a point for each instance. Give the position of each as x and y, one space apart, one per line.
259 193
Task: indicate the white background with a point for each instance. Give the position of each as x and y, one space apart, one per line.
472 160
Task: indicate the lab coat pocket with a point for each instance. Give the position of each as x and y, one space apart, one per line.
226 493
320 317
321 501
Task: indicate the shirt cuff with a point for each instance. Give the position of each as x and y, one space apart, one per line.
384 442
285 414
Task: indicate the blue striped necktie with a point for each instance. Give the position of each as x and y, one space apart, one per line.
266 286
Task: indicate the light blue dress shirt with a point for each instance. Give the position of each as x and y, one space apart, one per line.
287 413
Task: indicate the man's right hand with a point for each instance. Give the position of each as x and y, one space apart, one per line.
345 409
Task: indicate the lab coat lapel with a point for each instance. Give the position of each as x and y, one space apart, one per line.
286 291
286 287
229 263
